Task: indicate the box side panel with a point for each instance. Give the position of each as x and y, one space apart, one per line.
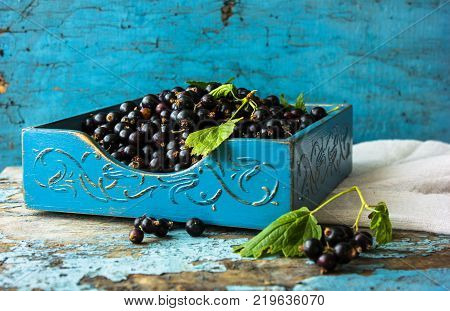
322 159
242 184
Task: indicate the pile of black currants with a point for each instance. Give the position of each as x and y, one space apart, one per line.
150 133
161 227
338 245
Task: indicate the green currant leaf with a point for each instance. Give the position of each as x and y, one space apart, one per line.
198 84
380 223
204 141
222 90
300 102
284 235
283 101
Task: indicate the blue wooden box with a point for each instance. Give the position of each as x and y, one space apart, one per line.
245 183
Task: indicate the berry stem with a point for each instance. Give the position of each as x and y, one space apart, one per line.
354 188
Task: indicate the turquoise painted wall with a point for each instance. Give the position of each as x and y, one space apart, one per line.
390 58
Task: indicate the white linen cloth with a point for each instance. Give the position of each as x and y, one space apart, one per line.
412 177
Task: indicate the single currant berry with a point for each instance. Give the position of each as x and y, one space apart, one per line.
113 117
127 107
367 234
166 222
207 102
345 252
334 235
118 155
349 234
134 117
363 241
138 221
305 121
260 115
110 141
147 224
88 125
160 107
318 113
99 133
100 118
160 229
177 89
156 164
163 94
327 262
130 151
165 116
136 236
169 97
149 101
272 100
313 248
195 227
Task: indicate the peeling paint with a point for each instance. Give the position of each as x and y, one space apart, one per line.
227 11
3 84
32 264
381 279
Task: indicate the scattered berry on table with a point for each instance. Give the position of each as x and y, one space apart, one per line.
195 227
136 236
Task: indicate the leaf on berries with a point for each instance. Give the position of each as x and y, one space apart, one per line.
300 102
283 101
199 84
222 90
204 141
380 223
284 235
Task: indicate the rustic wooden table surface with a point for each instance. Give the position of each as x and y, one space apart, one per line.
54 251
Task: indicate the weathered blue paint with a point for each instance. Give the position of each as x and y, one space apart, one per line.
381 279
35 265
62 58
245 183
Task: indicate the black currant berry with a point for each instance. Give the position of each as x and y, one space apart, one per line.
150 101
363 241
130 151
136 138
166 222
345 252
195 227
313 248
272 100
305 121
100 118
127 107
136 236
134 117
334 235
88 125
318 113
113 117
110 141
138 221
137 162
327 262
99 133
147 224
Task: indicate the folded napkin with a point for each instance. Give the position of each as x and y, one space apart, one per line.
412 177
